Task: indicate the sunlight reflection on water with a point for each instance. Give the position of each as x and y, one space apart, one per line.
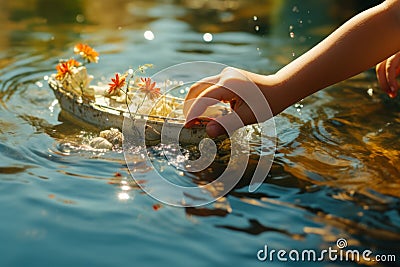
335 172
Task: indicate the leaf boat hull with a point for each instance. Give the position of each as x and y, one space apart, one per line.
104 117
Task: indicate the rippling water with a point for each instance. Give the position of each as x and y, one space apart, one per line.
335 172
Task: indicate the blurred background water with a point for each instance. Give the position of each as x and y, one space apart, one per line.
335 172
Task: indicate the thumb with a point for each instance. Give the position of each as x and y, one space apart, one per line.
226 124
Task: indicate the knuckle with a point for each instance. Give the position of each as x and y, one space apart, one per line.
228 70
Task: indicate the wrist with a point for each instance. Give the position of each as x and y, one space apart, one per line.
274 90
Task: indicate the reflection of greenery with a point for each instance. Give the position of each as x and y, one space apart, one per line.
230 16
272 16
60 11
343 9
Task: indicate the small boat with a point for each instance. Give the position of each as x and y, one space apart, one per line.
107 112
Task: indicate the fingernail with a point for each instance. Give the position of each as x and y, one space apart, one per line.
190 123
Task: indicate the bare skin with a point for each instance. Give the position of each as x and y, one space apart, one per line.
368 38
386 72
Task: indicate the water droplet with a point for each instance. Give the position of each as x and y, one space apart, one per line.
291 34
207 37
257 28
290 28
149 35
293 54
370 91
295 9
80 18
255 18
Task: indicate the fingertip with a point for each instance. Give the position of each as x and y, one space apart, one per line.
188 124
199 106
392 94
393 91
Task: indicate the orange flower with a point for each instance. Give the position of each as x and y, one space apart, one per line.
86 52
148 87
116 85
65 68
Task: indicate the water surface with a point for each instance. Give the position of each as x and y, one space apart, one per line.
335 172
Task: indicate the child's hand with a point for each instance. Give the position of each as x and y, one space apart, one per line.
386 72
237 87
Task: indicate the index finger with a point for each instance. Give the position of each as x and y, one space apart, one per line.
197 89
200 86
213 95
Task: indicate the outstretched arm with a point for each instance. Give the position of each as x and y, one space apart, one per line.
356 46
359 44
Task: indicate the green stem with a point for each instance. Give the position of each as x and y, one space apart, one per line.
137 109
126 95
164 100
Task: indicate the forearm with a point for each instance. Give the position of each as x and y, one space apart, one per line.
359 44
